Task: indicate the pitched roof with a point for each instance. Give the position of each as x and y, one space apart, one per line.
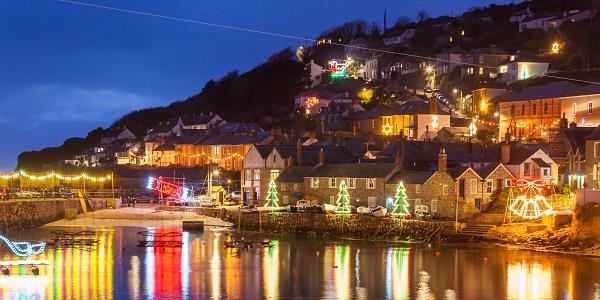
413 177
310 154
353 170
486 171
240 127
191 136
577 136
554 89
457 171
540 162
294 174
595 135
264 150
196 119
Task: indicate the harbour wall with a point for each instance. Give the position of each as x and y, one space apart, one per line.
22 214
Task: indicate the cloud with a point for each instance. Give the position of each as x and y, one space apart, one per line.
55 103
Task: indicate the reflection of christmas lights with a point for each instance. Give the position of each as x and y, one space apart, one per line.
531 204
472 129
435 122
171 189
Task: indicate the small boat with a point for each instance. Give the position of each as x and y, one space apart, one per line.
379 211
329 207
363 210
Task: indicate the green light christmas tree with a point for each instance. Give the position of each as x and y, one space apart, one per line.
272 200
400 205
343 200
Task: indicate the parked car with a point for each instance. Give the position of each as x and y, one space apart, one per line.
65 193
28 193
236 195
145 198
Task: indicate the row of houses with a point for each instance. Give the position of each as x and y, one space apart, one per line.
449 179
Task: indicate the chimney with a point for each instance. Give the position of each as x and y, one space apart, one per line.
321 157
564 123
572 125
442 160
399 159
505 151
493 49
299 152
433 106
290 161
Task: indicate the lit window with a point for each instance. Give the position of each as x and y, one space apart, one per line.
417 188
283 187
546 108
351 183
444 190
370 183
314 182
216 150
332 183
274 174
473 186
256 175
574 109
489 186
434 205
480 71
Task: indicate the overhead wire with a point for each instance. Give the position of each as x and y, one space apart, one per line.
289 36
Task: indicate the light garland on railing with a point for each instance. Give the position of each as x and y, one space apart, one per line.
24 249
58 176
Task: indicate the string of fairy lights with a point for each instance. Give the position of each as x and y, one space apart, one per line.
199 155
289 36
55 175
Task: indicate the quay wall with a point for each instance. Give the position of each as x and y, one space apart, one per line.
358 226
31 213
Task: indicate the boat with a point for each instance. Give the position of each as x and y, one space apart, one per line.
363 210
329 207
379 211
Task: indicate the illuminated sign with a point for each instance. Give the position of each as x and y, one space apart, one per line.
530 204
338 68
168 188
24 249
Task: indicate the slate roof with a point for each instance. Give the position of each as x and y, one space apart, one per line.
412 177
264 150
353 170
191 136
113 132
294 174
240 127
310 154
165 147
196 119
457 171
595 135
577 136
540 162
554 89
487 170
423 155
412 106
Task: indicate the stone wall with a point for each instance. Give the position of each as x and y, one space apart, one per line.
585 224
338 225
15 215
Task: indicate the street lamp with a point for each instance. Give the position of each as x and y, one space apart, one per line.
431 70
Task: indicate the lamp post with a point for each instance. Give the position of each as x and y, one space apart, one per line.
431 70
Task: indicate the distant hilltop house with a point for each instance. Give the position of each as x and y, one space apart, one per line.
482 62
201 121
117 133
521 67
549 20
402 37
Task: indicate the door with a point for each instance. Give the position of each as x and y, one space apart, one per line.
461 188
498 184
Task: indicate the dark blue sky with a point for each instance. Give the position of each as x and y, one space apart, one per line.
66 69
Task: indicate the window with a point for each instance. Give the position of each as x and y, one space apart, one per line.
533 109
480 71
445 190
216 150
545 172
546 108
417 188
274 158
589 108
351 183
372 201
434 206
274 174
295 186
522 109
480 60
257 175
370 183
574 109
286 199
332 200
283 187
489 186
314 182
473 187
417 201
597 149
512 109
527 169
506 182
332 183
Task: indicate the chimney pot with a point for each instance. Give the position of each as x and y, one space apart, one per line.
321 157
442 160
290 161
299 157
505 151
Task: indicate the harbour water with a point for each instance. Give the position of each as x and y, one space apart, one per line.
294 267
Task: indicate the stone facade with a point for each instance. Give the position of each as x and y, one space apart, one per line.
321 192
437 193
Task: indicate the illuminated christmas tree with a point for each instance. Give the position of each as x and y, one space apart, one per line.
400 205
272 200
343 199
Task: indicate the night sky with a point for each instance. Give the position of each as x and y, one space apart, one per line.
67 69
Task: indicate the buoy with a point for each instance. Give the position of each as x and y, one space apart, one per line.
335 267
35 270
438 253
5 270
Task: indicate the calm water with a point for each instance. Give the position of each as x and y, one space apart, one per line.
297 268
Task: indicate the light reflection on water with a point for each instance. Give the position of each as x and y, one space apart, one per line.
296 267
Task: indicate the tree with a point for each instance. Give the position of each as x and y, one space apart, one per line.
272 200
422 16
400 205
343 199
